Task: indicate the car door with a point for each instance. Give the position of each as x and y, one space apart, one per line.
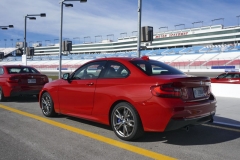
235 78
77 93
224 78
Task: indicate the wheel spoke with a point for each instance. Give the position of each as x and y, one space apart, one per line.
130 123
118 115
118 125
125 112
125 130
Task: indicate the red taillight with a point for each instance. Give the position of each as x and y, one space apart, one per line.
13 79
167 90
45 79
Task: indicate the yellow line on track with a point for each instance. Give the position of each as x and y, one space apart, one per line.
109 141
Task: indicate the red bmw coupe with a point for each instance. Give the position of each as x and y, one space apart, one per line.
18 80
132 95
227 77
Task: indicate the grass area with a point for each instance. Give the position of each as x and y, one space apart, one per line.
53 77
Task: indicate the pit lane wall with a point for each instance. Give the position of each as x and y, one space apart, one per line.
226 90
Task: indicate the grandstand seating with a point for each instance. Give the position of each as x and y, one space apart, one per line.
183 57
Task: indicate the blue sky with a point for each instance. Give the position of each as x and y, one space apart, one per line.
104 17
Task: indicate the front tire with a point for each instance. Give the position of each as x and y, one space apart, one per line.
47 105
125 122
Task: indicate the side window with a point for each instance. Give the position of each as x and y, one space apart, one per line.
222 75
25 70
89 71
229 76
32 70
1 70
236 75
115 70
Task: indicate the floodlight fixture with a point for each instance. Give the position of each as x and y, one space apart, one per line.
60 37
31 17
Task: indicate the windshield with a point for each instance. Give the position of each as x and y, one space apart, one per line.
152 67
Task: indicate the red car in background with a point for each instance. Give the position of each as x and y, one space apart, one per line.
132 95
16 80
228 77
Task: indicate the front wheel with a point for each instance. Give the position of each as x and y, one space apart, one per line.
125 122
47 105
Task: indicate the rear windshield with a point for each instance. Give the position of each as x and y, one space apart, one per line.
152 67
21 69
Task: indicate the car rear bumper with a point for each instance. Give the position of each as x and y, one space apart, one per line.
24 92
181 123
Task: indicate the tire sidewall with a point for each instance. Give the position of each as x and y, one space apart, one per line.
137 123
52 111
2 98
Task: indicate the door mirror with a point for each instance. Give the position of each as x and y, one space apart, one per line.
66 76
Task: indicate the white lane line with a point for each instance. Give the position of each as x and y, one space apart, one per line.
227 124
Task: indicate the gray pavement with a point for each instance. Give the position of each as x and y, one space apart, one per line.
25 138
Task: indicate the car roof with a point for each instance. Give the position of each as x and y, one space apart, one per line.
230 72
13 66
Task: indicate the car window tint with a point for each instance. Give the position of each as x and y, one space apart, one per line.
222 75
1 70
115 70
229 76
236 75
20 69
151 67
89 71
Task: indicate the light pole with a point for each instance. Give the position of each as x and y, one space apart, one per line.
123 33
197 22
12 42
5 42
77 38
60 36
6 27
179 25
238 19
30 43
47 41
55 40
163 27
98 36
40 43
217 20
31 17
139 27
86 37
134 32
110 35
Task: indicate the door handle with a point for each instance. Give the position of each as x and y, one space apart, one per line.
90 84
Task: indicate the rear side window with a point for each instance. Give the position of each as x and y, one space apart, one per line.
115 70
20 69
1 71
151 67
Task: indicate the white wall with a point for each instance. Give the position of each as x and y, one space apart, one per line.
226 90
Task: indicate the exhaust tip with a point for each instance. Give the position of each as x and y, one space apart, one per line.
186 128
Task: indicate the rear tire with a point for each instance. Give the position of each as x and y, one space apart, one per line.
2 97
126 122
47 105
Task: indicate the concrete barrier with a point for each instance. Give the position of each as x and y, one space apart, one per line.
226 90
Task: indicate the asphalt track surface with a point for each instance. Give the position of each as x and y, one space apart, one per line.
26 134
